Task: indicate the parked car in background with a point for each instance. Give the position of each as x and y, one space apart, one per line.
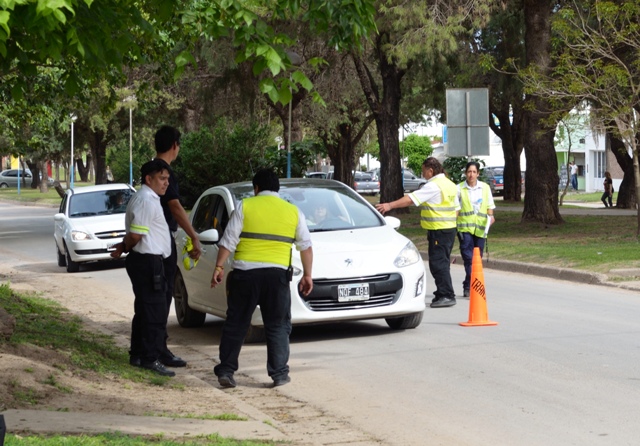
410 180
315 175
364 183
362 267
494 176
9 178
90 223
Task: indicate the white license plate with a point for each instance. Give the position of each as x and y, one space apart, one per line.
112 246
353 292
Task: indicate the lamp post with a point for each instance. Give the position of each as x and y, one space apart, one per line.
73 119
130 99
296 60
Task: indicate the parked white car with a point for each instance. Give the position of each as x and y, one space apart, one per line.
362 267
90 223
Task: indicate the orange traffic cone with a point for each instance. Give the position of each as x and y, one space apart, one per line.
478 304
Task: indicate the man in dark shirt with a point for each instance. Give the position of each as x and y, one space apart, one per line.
167 143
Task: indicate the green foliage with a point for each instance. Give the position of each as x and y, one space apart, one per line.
303 154
118 160
454 167
226 153
416 149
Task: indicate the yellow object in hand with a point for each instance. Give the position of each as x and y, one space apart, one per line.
187 261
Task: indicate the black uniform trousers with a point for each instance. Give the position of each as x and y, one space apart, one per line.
269 288
149 323
440 245
170 268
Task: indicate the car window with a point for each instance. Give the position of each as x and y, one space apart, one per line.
99 203
63 205
203 214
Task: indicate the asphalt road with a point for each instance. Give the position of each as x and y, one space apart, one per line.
560 368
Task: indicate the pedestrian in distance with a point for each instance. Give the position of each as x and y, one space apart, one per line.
261 232
438 199
607 195
167 143
474 219
574 175
147 242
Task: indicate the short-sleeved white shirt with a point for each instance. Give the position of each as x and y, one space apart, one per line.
430 193
145 217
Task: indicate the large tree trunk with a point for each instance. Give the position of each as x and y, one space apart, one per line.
98 144
626 198
541 200
511 135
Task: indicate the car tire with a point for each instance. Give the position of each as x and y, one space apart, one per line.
72 267
404 322
255 335
187 317
62 260
4 185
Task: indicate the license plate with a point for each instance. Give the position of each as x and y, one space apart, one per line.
353 292
112 246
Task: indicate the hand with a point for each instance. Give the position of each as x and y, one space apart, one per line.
493 219
306 285
383 207
216 279
118 252
196 251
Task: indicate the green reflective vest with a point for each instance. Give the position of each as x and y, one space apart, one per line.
443 215
468 220
268 230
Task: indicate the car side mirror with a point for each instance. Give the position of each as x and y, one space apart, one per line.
58 217
209 237
392 221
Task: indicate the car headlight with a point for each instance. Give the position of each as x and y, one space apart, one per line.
408 256
79 236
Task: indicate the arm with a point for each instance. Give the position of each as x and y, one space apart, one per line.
130 240
400 203
182 218
218 272
306 283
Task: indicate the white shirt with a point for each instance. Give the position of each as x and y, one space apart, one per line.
231 236
145 217
430 193
476 195
574 169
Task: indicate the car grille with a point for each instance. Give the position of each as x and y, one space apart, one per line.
384 290
111 234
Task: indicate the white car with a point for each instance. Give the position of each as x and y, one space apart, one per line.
362 267
89 223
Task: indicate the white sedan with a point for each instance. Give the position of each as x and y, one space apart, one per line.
362 267
89 223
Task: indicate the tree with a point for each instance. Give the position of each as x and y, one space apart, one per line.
416 149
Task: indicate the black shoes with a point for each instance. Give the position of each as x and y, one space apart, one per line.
466 293
173 361
281 381
226 381
134 361
443 302
158 367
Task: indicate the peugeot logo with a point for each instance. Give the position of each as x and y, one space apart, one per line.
349 262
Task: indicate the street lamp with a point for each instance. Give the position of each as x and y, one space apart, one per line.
295 60
130 99
73 119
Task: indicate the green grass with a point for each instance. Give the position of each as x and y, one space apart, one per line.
28 195
123 440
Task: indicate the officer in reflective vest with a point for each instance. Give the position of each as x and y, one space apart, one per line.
475 217
261 231
438 200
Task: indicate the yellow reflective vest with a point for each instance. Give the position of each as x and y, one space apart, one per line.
468 220
268 230
443 215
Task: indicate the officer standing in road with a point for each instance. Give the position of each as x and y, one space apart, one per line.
261 231
474 219
167 143
439 201
148 243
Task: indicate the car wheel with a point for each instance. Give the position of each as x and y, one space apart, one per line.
4 185
72 267
187 317
404 322
62 260
255 335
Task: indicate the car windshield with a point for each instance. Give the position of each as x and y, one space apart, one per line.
327 208
99 203
497 171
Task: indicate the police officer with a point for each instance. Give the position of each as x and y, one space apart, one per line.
438 199
261 231
147 241
474 219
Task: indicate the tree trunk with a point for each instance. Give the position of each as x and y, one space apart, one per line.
541 200
98 145
626 198
343 154
511 135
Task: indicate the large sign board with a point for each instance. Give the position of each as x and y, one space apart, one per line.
467 122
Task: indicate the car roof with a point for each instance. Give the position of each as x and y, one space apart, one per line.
99 188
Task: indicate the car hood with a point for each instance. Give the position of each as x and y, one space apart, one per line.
100 223
351 253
